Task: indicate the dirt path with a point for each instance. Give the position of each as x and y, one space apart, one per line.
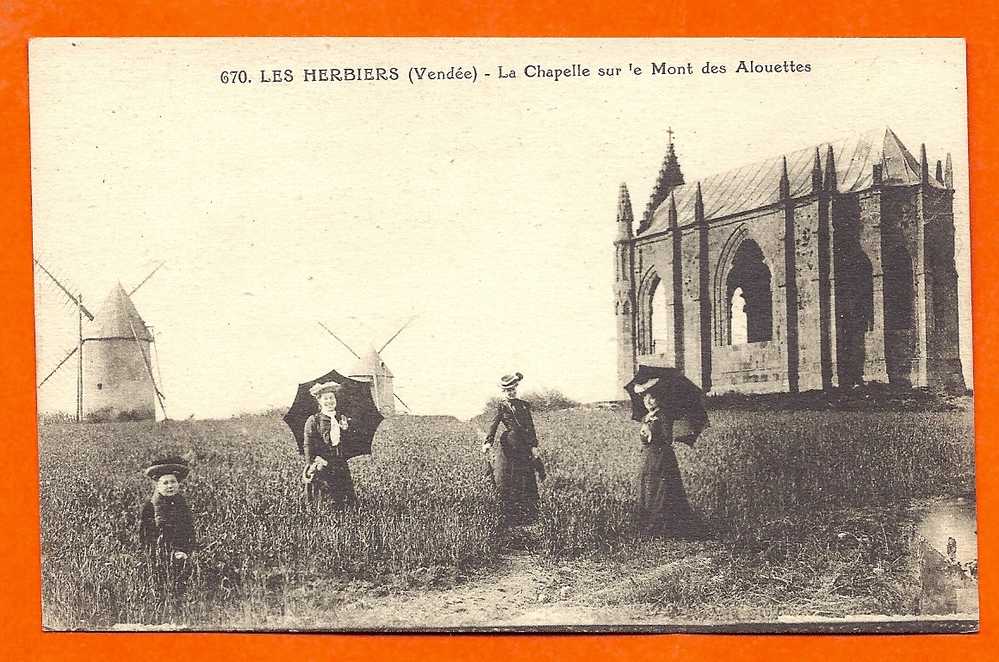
522 592
507 596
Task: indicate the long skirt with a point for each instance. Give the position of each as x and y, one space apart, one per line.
663 509
516 486
333 482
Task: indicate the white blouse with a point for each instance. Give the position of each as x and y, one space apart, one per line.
334 429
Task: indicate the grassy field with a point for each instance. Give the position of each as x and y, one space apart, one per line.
806 508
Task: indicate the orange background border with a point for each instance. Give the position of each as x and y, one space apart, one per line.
22 637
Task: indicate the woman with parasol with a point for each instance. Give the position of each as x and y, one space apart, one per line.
514 462
326 472
670 408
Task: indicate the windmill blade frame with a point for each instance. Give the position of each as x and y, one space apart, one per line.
154 356
148 276
60 364
396 334
408 408
339 340
76 300
149 370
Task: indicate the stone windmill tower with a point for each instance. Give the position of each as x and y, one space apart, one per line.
117 363
115 358
371 368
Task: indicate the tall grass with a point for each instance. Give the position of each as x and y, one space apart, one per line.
423 502
752 469
810 506
808 495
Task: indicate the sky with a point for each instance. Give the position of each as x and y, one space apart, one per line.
487 208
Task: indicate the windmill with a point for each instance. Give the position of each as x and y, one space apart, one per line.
371 368
114 353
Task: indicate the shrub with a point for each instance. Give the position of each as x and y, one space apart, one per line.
540 401
55 417
549 400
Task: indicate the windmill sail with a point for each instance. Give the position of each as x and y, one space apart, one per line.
106 386
329 331
144 280
72 297
371 368
396 334
56 369
149 369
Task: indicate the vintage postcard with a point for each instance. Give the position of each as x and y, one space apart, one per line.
504 334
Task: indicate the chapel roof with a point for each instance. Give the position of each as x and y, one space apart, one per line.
756 184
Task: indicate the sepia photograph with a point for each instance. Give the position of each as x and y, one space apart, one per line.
485 335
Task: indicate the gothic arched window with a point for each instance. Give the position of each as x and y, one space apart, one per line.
748 287
660 321
898 289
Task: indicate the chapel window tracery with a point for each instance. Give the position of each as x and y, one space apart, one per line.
660 321
749 296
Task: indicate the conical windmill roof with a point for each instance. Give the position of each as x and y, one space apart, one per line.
370 363
116 319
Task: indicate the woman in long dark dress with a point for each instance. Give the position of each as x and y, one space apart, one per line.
514 462
663 509
327 474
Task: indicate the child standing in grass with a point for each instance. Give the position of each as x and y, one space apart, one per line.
166 526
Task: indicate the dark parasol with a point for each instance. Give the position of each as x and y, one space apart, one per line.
353 400
679 398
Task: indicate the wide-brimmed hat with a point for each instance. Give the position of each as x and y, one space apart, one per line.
177 466
511 380
323 387
645 387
